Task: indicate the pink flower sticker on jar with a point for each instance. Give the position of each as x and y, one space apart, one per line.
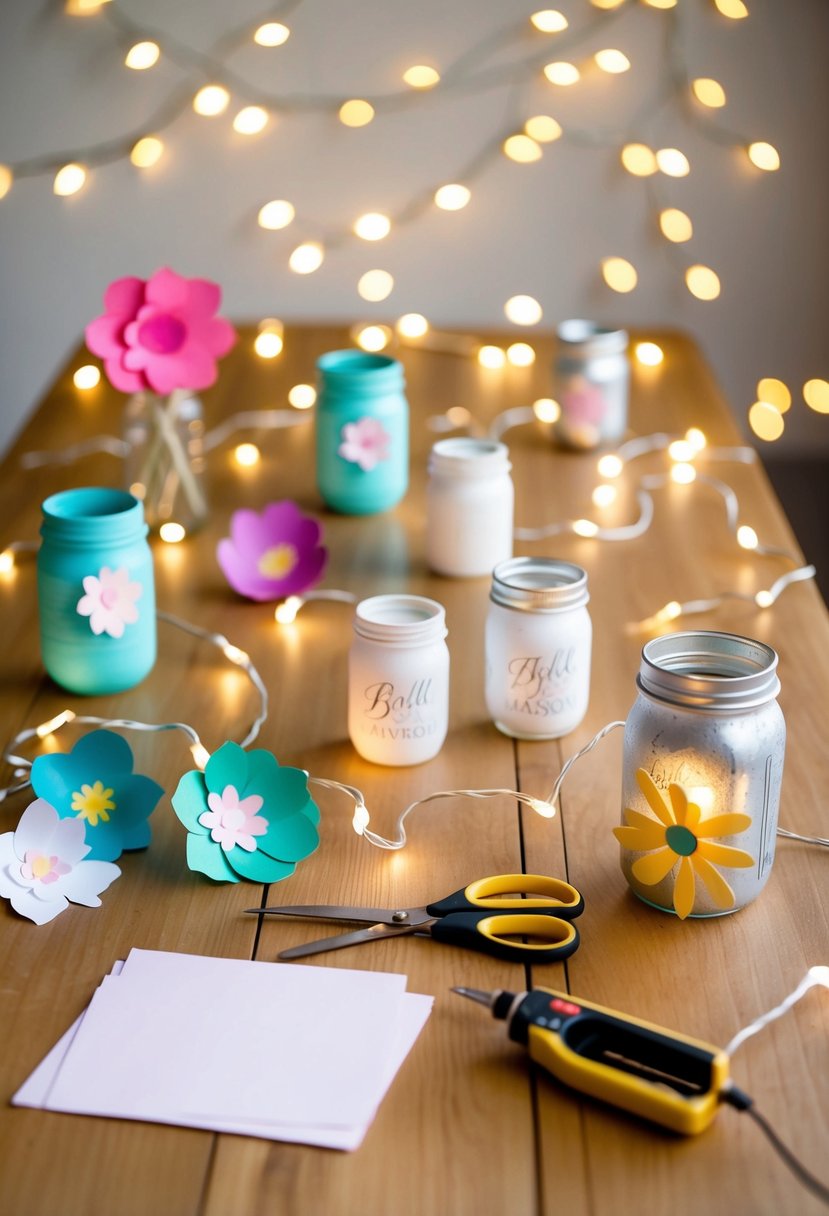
364 443
109 601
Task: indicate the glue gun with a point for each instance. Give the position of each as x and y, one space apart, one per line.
668 1078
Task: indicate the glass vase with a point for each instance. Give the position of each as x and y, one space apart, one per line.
164 466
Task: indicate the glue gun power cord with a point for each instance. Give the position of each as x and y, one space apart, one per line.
741 1101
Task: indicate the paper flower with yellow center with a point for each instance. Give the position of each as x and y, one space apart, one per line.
93 802
680 837
272 554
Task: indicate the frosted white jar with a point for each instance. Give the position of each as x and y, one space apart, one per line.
538 645
469 507
398 679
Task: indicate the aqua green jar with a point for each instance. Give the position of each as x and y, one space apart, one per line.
96 593
362 432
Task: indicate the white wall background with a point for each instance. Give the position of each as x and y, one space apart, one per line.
537 229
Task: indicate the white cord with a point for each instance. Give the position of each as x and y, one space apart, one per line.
814 977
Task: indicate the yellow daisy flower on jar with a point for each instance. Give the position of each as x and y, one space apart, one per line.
680 840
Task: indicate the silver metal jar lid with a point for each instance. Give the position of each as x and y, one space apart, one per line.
590 338
718 672
539 584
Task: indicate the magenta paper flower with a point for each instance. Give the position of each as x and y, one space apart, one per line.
109 601
272 555
365 443
161 334
233 820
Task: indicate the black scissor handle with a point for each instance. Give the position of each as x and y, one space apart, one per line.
555 938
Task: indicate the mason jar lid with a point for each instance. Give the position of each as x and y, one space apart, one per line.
718 672
400 620
357 371
538 584
590 338
469 459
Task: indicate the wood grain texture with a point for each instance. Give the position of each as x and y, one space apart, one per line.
467 1127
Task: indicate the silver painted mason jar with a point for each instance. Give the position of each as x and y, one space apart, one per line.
703 765
591 375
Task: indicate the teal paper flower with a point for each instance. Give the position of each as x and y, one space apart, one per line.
246 816
95 783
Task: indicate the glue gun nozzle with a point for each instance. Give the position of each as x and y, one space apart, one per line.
475 994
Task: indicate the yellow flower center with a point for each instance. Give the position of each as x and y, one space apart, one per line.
93 803
278 561
40 866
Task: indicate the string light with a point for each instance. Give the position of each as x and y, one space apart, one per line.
639 160
816 395
412 325
373 338
6 180
211 100
747 537
604 495
523 310
375 285
522 149
619 274
665 4
250 120
610 465
681 450
421 76
765 421
735 9
452 197
562 73
269 341
491 357
247 455
276 214
87 377
302 396
6 561
373 226
142 56
543 129
549 21
683 474
585 527
676 226
172 533
612 61
702 282
672 162
696 438
775 392
546 409
764 156
708 92
520 354
69 179
649 354
356 112
147 152
287 612
272 33
307 257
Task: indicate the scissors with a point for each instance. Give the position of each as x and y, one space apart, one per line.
477 917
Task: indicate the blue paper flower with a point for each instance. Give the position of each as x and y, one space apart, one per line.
246 816
95 783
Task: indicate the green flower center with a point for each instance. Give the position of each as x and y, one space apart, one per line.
680 840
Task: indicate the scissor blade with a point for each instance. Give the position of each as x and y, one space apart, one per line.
372 933
383 916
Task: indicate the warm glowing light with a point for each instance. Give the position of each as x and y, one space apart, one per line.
612 61
302 396
356 112
272 33
375 285
251 120
412 325
46 728
491 357
452 197
735 9
648 353
200 755
6 179
639 160
87 377
213 99
766 421
543 129
543 808
660 3
604 495
172 533
69 179
83 8
278 213
247 455
562 73
138 490
746 537
142 56
549 21
672 162
520 354
268 343
775 392
702 282
522 149
235 655
816 395
146 152
585 527
610 465
696 438
360 819
523 310
701 796
681 450
670 612
546 409
764 599
764 156
676 225
373 338
619 274
6 561
307 257
285 613
421 76
683 474
372 226
458 415
607 4
708 92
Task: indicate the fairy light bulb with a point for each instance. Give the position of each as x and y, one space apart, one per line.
765 156
681 451
708 92
302 396
549 21
491 357
172 533
522 149
360 818
286 612
702 282
6 180
237 656
764 599
543 129
372 226
541 807
375 285
612 61
307 257
639 160
607 4
523 310
736 10
546 409
619 274
683 474
87 377
649 354
672 162
272 33
816 395
670 612
69 180
452 197
421 76
747 537
765 421
696 438
412 325
269 342
6 561
604 495
373 338
247 455
356 112
53 724
819 975
83 8
211 100
147 152
610 465
250 120
142 56
200 755
585 527
675 225
278 213
562 73
664 4
520 354
775 392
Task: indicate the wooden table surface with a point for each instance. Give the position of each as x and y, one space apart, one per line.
468 1126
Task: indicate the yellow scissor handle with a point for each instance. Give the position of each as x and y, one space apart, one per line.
549 894
514 937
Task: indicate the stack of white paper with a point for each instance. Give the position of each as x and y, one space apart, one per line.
276 1050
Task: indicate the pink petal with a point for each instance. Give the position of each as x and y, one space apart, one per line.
214 801
105 336
120 377
98 620
230 798
208 819
167 290
87 605
114 625
213 334
203 296
128 612
251 804
257 826
91 584
124 296
246 842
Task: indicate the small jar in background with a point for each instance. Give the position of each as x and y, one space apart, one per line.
362 432
398 679
469 507
591 375
96 593
707 720
538 647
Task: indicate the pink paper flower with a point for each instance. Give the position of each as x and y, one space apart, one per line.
274 554
233 820
160 334
109 601
365 443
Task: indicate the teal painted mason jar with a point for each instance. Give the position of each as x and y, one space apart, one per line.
362 432
96 592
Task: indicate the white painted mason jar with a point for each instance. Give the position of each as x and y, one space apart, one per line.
398 679
591 375
469 507
538 644
703 765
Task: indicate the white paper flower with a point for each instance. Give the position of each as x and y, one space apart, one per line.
42 869
109 601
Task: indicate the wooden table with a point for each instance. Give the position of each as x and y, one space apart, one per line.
468 1126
